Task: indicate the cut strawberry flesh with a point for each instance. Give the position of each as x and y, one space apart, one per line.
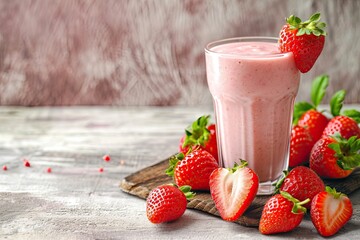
329 214
233 192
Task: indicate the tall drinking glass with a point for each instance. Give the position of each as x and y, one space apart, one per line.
253 87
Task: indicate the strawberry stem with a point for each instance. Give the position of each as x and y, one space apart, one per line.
298 206
237 166
346 151
172 163
280 182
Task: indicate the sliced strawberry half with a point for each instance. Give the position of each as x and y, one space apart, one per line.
233 190
330 211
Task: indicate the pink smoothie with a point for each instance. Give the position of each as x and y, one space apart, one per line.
253 87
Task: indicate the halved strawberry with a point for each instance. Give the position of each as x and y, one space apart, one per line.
304 39
233 190
330 211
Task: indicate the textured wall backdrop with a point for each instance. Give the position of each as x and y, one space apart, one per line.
150 52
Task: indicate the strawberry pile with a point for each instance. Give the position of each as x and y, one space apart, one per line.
301 190
322 145
330 146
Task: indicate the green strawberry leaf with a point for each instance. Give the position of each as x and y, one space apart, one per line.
280 182
197 133
318 89
311 26
173 162
346 151
186 189
302 31
336 102
315 17
333 192
299 109
352 113
335 147
298 206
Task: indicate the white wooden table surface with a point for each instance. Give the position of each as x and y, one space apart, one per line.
76 201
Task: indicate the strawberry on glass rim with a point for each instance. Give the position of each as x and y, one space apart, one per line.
304 39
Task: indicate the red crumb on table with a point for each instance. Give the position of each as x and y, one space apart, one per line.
106 158
26 163
101 169
49 170
4 168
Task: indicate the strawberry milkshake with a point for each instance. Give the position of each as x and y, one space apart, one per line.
253 87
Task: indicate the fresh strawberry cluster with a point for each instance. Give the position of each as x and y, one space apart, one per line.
329 211
330 146
196 167
190 168
233 190
300 190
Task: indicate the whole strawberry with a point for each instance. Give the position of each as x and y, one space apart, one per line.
304 39
233 190
307 115
193 169
345 122
202 134
300 146
335 156
281 213
167 203
301 183
346 126
315 122
330 211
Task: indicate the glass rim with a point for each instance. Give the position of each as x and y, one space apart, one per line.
209 46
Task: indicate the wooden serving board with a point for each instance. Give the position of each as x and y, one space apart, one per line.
142 182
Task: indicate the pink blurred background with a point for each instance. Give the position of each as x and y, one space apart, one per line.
150 52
